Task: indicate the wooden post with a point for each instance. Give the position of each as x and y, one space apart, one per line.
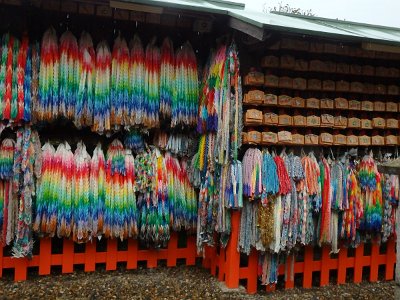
232 262
68 256
45 256
90 256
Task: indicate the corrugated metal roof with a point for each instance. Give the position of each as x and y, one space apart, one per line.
286 22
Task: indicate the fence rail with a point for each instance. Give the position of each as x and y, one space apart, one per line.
226 264
90 256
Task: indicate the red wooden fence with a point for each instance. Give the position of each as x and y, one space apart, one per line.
225 263
90 257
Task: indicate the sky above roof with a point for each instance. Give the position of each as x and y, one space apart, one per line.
377 12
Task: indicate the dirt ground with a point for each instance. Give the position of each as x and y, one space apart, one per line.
170 283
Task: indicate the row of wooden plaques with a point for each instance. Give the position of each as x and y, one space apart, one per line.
255 79
287 138
258 97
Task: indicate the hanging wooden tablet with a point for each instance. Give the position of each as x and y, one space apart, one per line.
341 103
268 137
298 102
271 99
354 105
391 106
271 80
367 106
254 78
271 118
327 103
379 106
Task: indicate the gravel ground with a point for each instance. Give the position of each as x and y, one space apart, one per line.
169 283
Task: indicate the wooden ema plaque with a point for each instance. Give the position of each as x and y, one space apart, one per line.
299 120
327 120
298 102
313 121
271 118
270 61
255 97
364 140
378 123
366 124
313 103
391 140
325 138
311 139
254 137
269 137
285 120
354 123
253 117
284 101
354 105
284 137
285 82
339 139
299 83
378 140
271 99
327 103
254 78
379 106
392 123
367 106
352 140
391 106
340 122
271 81
341 103
297 139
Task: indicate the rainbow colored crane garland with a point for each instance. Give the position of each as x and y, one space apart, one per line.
84 198
15 79
106 90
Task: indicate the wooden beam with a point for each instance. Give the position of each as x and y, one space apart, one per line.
249 29
136 7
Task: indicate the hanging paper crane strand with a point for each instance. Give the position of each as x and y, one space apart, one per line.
185 104
167 77
119 83
101 106
152 86
85 94
137 82
69 75
48 97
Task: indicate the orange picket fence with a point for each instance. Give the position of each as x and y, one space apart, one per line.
89 255
349 265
